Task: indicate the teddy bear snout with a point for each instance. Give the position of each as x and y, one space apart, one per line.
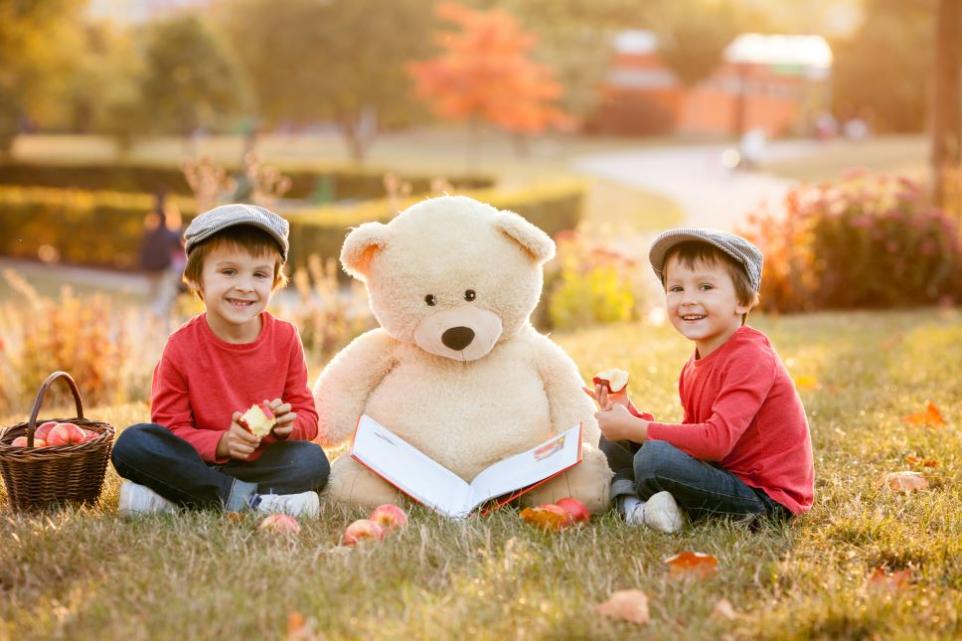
457 338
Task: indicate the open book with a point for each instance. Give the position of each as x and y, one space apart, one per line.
430 483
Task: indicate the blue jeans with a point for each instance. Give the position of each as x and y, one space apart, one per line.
151 455
700 488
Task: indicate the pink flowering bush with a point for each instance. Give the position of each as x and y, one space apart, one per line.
863 242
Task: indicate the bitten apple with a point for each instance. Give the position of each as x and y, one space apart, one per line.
616 380
575 508
389 517
362 530
259 419
280 524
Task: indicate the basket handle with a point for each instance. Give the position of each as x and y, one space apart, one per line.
32 425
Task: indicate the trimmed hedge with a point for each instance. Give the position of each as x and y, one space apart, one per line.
307 181
104 228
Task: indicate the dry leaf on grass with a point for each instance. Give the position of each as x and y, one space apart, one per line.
907 481
724 610
694 564
882 579
548 517
930 417
922 462
626 605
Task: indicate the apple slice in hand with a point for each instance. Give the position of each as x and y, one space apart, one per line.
616 380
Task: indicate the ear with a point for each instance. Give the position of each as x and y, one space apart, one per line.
535 242
361 246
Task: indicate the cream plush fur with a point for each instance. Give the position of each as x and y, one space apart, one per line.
456 368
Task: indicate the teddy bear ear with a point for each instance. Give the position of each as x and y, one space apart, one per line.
360 247
534 241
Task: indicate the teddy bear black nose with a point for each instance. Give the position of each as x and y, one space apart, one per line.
457 338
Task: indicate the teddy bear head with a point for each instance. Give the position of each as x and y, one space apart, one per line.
453 275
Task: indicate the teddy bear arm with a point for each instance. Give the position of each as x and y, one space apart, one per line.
342 389
567 402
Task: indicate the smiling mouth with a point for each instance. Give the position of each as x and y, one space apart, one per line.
240 303
693 317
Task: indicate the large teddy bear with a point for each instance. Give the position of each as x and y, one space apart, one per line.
455 368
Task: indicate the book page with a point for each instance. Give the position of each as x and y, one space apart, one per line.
409 469
518 471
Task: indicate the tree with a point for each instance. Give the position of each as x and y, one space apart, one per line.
190 79
693 35
485 73
947 102
339 60
36 41
884 69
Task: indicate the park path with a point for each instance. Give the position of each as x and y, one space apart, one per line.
709 194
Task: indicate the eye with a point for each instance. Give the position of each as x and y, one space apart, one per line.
470 295
430 300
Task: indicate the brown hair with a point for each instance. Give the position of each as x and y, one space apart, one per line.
247 237
692 251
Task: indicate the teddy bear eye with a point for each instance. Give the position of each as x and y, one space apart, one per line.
470 295
431 300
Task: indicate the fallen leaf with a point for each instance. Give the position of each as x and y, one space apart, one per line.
626 605
931 417
235 517
696 564
295 623
724 610
806 382
907 481
546 518
881 578
923 462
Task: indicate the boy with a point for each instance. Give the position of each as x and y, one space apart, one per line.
744 446
196 452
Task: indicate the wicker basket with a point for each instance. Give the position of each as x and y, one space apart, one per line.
39 477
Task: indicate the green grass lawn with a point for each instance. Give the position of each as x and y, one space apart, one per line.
88 574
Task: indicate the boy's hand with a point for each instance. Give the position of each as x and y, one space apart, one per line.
617 424
606 399
284 418
237 442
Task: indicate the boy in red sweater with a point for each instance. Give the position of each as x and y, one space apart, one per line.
744 446
197 451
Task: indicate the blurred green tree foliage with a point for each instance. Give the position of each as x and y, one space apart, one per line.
37 40
339 60
190 78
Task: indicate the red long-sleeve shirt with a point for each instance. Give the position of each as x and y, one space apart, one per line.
742 412
202 380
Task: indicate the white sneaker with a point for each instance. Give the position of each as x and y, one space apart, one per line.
663 514
303 504
138 499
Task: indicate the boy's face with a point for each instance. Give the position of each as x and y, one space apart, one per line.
236 287
702 303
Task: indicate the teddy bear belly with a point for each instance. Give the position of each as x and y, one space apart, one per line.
464 422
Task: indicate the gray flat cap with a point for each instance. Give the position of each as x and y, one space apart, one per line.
745 253
220 218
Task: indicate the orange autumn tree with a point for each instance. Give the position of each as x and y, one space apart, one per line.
484 73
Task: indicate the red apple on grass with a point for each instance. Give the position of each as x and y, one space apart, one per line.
389 517
579 513
280 524
362 530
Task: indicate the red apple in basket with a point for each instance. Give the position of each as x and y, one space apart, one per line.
65 434
389 517
44 430
362 530
89 435
21 441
